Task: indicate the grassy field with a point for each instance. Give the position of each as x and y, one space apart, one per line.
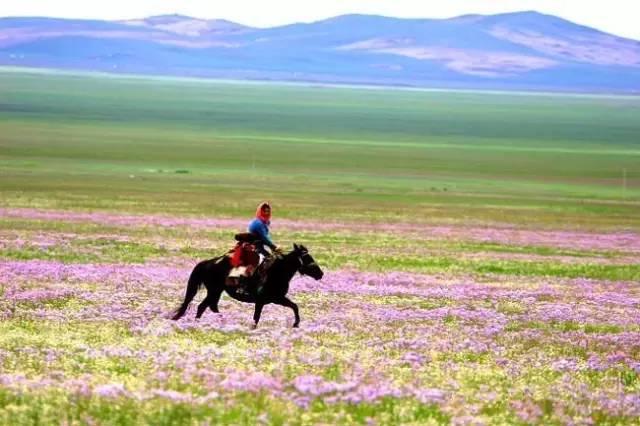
480 254
189 147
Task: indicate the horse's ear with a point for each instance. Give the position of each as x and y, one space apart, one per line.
295 247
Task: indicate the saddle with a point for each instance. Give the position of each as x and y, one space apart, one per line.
244 259
244 254
245 262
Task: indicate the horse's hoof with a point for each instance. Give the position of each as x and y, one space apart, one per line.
254 326
296 325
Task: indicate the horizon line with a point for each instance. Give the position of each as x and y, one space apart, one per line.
302 22
177 14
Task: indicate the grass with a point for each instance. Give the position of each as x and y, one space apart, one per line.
350 156
248 409
78 142
334 250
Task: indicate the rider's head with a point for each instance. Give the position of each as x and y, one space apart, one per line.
264 212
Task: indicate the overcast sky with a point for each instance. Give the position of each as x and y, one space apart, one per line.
615 16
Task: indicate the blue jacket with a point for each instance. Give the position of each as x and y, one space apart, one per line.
261 229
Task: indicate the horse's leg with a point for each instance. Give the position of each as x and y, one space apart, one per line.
203 305
257 313
289 304
215 298
195 279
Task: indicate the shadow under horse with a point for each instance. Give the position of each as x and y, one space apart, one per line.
213 273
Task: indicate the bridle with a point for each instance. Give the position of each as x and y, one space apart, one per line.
303 265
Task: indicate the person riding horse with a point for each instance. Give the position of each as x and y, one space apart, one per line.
257 240
269 284
212 273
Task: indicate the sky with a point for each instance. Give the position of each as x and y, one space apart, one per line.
618 17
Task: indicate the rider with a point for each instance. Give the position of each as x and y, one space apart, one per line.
260 227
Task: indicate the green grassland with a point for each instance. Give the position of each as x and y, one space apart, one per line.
83 334
214 148
335 250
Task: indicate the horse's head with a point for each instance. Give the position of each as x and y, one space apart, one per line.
308 265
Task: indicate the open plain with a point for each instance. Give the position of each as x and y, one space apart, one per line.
480 253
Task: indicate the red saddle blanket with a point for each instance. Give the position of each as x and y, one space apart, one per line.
244 254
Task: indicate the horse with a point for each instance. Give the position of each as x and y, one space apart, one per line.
213 272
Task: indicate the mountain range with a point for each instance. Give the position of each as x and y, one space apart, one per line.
514 51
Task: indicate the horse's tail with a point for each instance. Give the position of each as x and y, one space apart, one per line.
195 281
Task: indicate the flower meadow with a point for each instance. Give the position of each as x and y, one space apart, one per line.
411 324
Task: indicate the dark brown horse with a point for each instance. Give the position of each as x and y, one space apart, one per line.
212 274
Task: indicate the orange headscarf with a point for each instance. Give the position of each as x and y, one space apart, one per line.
266 218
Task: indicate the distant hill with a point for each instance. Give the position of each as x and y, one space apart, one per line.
519 51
